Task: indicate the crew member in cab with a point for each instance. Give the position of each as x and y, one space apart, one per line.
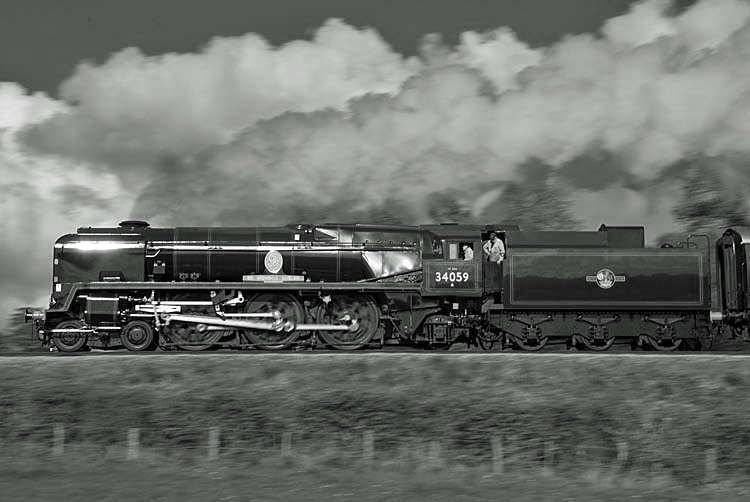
494 249
467 253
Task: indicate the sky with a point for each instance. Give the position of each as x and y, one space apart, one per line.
57 36
234 113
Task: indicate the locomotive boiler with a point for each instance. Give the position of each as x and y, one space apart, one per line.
349 286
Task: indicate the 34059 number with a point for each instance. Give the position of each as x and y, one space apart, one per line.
452 277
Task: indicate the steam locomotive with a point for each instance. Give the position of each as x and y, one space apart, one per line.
349 286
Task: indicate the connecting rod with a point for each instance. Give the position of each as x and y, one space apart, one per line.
276 325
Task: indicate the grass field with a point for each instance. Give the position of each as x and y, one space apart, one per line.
116 480
376 426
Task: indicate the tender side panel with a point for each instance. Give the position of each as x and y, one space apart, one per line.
607 279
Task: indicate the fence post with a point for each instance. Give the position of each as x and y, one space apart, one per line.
622 454
213 442
286 445
710 465
435 455
58 442
368 448
549 456
497 456
134 440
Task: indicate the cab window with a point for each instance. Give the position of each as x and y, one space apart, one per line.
432 246
453 250
460 251
466 251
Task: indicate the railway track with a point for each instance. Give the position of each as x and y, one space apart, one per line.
725 348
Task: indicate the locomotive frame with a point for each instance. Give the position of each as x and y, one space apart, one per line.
350 286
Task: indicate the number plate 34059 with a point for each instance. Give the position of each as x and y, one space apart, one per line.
452 277
444 276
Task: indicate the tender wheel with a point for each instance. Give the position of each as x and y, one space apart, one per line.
287 311
597 345
665 345
137 336
358 312
188 337
70 341
530 344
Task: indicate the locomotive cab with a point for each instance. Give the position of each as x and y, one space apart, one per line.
452 273
461 268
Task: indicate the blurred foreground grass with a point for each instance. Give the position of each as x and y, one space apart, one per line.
87 478
575 425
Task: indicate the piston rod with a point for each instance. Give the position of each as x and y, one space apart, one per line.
277 325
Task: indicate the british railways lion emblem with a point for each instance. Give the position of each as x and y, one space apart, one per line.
605 278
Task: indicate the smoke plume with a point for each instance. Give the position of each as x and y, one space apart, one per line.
341 127
43 197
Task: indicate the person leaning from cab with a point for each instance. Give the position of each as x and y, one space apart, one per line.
494 249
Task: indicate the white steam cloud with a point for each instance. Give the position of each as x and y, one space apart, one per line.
134 107
42 198
341 127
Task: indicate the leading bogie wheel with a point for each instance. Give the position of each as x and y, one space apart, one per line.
70 340
137 336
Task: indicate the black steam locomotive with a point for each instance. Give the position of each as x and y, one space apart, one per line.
352 286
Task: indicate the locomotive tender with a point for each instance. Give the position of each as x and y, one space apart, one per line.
348 286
